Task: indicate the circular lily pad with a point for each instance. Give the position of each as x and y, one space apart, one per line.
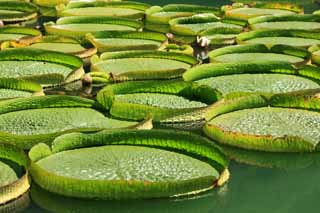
13 177
104 8
152 171
141 65
17 11
121 41
286 22
17 35
297 38
13 88
259 52
44 120
43 66
173 101
276 125
79 26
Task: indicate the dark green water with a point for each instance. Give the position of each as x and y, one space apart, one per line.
291 185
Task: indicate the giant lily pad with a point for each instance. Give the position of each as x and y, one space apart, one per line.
65 45
315 51
282 123
79 26
297 38
126 9
157 18
13 88
120 41
17 35
13 177
17 12
259 52
49 3
43 66
251 77
173 101
141 65
145 163
194 25
28 121
291 22
241 13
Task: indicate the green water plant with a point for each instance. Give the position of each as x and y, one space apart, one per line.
186 29
290 22
125 9
79 26
18 12
123 41
163 101
268 77
286 122
260 52
18 36
15 88
140 65
14 180
157 18
28 121
297 38
240 13
43 66
154 163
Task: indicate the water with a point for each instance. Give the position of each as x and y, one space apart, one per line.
281 183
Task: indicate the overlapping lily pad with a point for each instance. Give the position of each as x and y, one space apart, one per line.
259 52
241 13
126 9
43 66
140 65
14 180
297 38
28 121
290 22
157 18
79 26
250 77
167 101
13 88
17 36
315 51
186 29
123 41
63 44
18 12
154 163
280 123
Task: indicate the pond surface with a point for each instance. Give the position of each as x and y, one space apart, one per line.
281 183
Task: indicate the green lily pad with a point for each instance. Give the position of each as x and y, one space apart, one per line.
141 65
265 83
272 123
259 52
17 35
42 123
150 170
13 177
43 66
275 125
13 88
247 13
102 8
49 3
296 38
120 41
17 11
8 175
173 101
298 25
251 77
79 26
